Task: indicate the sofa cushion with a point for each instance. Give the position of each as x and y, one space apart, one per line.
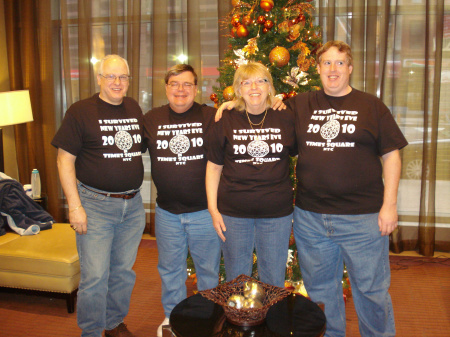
40 259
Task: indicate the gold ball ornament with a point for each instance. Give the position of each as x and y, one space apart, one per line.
235 3
279 56
228 93
251 303
253 290
266 5
236 301
241 31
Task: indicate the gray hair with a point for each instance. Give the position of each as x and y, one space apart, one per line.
108 57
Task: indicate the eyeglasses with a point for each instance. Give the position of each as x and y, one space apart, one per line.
259 82
176 85
112 78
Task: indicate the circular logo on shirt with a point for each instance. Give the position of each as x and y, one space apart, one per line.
179 144
123 140
330 129
258 148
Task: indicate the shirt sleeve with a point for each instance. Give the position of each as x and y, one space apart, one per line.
69 137
391 137
215 146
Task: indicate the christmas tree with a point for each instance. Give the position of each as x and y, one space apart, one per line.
279 34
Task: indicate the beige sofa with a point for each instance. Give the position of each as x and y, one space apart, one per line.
45 262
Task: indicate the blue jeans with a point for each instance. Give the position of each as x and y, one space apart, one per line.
324 243
270 238
107 254
175 234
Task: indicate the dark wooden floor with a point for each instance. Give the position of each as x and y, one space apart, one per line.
420 291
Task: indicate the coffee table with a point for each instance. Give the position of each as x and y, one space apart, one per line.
294 316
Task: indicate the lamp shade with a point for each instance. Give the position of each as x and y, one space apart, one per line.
15 107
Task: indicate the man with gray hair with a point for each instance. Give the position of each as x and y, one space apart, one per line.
100 167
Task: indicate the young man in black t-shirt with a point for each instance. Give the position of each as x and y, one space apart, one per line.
344 213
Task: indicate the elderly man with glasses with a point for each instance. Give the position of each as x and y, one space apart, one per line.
100 167
175 135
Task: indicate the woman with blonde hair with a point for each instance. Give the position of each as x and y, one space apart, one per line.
247 178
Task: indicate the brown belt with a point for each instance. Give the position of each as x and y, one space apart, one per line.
114 195
123 196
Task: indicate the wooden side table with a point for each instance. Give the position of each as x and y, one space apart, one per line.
42 201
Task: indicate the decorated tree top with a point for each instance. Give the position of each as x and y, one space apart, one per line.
280 34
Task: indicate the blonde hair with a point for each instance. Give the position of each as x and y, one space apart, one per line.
251 70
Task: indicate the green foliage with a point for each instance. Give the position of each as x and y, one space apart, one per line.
301 39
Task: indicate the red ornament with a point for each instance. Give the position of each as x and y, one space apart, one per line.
285 96
266 5
292 94
268 24
261 19
301 18
247 20
235 21
266 30
213 97
241 31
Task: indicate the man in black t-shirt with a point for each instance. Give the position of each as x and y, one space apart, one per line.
175 135
344 213
100 167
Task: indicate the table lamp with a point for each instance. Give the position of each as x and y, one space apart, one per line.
15 108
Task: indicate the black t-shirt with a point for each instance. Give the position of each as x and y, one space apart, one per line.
255 182
177 151
340 142
107 141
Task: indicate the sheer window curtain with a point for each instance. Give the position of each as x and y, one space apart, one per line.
401 55
401 51
151 35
